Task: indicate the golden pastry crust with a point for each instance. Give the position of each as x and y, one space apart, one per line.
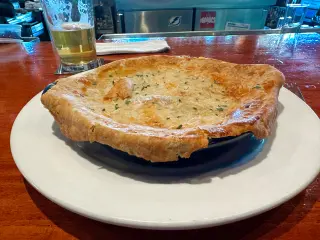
160 108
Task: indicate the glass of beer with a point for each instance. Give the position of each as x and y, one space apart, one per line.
71 24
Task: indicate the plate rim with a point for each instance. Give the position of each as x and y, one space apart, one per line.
126 222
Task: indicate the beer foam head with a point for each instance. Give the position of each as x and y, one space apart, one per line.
74 26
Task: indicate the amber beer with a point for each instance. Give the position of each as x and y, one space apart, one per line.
75 43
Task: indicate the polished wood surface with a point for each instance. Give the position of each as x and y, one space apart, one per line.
26 214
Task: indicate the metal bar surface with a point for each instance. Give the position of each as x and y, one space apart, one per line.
205 33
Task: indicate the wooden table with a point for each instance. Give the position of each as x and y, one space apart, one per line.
26 214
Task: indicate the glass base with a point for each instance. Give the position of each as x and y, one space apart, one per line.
72 69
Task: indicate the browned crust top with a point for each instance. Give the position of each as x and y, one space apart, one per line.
251 91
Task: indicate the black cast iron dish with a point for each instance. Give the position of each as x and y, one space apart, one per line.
221 152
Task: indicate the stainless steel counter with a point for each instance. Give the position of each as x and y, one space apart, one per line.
206 33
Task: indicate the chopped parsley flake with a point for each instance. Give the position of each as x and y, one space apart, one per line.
127 101
110 75
116 106
94 83
178 116
168 118
185 82
144 87
257 86
220 109
179 100
179 127
194 108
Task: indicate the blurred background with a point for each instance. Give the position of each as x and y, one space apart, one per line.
150 16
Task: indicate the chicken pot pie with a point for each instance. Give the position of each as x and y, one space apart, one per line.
160 108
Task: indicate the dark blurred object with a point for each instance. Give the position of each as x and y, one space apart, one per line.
33 29
104 12
22 2
275 14
281 3
37 27
6 10
315 21
31 20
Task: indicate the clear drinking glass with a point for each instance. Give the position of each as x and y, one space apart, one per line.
293 19
71 24
290 25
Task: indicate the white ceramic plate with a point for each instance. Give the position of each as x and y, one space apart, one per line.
289 162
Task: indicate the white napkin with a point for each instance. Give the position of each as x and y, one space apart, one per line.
150 46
